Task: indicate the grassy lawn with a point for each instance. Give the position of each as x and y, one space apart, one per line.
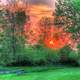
46 74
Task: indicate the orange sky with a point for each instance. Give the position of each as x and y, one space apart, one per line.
36 12
40 11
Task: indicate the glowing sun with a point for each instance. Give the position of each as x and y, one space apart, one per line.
51 42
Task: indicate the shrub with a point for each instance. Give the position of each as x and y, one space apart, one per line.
68 56
42 56
78 53
36 56
53 56
10 58
73 58
73 55
64 53
39 55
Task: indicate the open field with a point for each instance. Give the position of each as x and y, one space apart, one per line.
45 74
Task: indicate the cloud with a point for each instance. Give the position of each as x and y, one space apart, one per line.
50 3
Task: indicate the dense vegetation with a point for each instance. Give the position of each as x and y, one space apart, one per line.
12 41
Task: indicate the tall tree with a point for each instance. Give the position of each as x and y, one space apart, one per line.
12 39
68 16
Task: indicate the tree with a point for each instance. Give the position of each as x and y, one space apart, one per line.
68 16
12 39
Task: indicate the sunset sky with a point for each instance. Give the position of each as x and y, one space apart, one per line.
50 3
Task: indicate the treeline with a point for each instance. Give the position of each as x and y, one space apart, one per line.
12 41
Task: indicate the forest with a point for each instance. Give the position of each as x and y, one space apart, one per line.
40 35
39 39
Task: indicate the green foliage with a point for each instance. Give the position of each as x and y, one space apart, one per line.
36 56
67 16
65 50
21 18
53 56
73 55
76 5
2 21
12 42
42 56
78 54
69 56
65 53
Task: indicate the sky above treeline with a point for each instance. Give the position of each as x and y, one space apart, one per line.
50 3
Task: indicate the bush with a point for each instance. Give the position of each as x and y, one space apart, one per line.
5 59
53 56
68 56
30 56
39 55
64 53
8 57
73 55
78 55
42 56
73 58
36 56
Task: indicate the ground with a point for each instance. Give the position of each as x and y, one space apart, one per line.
63 73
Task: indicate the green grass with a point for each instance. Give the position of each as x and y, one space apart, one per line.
47 74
